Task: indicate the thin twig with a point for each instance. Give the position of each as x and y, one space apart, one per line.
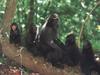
83 24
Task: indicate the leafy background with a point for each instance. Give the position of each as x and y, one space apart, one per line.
72 14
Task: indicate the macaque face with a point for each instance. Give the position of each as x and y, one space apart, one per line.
54 18
14 27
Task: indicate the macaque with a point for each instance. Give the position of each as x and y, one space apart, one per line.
31 40
15 37
88 64
71 53
48 49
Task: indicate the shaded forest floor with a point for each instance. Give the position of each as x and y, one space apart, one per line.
12 68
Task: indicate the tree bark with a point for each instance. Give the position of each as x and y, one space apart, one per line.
30 20
9 14
27 60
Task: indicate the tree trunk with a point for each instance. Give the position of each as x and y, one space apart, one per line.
9 14
30 15
26 59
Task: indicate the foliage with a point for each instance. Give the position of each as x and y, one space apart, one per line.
71 13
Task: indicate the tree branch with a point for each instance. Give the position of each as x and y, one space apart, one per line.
83 24
28 60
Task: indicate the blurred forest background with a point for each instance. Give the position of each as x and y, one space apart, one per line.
72 16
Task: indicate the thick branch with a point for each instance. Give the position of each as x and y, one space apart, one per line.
28 60
9 14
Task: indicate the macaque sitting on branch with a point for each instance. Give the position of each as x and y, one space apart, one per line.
88 63
15 37
48 49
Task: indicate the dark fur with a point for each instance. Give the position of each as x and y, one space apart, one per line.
31 41
15 37
50 50
60 43
88 62
31 37
71 53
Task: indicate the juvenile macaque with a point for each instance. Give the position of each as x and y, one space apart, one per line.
15 37
31 40
71 53
88 63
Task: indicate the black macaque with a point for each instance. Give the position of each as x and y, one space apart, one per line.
60 43
71 52
30 41
31 44
15 37
88 64
49 50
